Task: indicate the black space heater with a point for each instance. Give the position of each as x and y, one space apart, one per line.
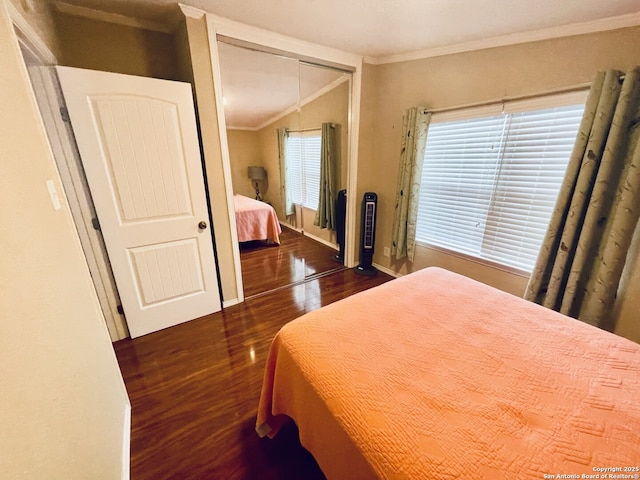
340 216
368 234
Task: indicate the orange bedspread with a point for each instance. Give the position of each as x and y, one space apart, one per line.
256 220
435 376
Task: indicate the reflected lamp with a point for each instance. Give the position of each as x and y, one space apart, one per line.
257 174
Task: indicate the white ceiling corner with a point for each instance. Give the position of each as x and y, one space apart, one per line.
379 31
382 30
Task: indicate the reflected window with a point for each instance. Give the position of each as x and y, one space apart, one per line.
303 160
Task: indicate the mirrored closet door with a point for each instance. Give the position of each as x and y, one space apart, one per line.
275 109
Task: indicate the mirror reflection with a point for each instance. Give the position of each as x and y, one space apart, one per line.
287 135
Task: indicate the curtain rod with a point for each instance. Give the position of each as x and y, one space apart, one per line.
574 88
301 130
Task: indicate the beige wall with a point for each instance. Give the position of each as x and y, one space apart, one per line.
245 151
465 78
332 107
367 176
198 43
183 54
63 405
96 45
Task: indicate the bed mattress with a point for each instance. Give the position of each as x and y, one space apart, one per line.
256 220
436 376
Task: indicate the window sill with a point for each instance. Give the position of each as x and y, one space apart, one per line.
479 261
304 206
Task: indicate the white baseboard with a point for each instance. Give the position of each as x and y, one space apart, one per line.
312 237
231 303
388 271
126 443
291 227
321 240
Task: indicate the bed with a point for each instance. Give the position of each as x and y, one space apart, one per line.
256 220
436 376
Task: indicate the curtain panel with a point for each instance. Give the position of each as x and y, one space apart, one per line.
580 263
285 190
414 138
325 212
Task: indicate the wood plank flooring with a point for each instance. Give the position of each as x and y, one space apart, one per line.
194 389
268 267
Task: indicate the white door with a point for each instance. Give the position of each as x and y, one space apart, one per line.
139 147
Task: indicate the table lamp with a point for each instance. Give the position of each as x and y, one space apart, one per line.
256 174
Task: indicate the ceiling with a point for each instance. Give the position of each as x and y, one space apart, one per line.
382 28
379 30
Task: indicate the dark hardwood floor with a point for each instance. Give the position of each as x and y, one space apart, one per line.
194 389
268 267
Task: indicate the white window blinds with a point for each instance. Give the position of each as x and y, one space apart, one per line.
303 158
489 184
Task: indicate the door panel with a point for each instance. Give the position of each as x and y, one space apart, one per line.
167 271
139 147
146 163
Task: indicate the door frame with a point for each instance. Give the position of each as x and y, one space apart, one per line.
220 26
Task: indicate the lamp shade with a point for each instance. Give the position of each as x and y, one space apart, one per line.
257 173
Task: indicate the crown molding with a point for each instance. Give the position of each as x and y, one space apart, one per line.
35 43
102 16
192 12
569 30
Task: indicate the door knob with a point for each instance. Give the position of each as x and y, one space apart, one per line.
202 225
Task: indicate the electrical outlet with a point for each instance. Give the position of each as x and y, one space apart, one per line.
387 251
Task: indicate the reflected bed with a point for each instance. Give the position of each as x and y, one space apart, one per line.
434 375
256 220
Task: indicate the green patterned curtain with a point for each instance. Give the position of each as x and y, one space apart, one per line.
414 138
285 191
581 261
328 148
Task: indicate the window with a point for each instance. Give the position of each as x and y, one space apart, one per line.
489 183
303 159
